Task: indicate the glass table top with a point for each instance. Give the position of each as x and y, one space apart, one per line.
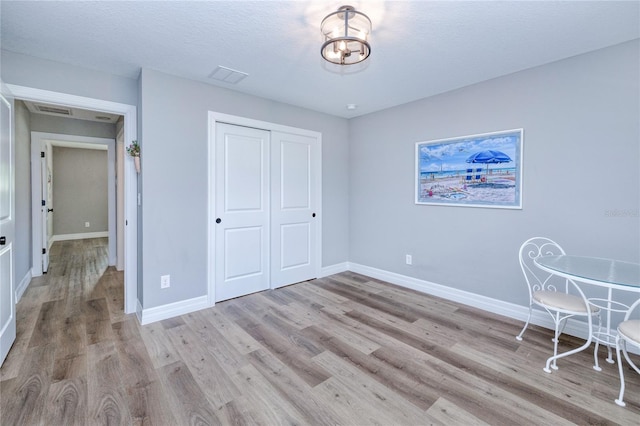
594 269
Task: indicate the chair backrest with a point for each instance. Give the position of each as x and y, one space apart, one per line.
629 329
632 308
536 278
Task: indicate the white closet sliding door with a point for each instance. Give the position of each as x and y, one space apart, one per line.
295 171
267 201
242 211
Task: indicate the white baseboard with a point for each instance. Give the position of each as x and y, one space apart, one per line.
81 236
22 287
139 311
159 313
574 327
334 269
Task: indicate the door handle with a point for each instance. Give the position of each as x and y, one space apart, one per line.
3 240
49 210
218 220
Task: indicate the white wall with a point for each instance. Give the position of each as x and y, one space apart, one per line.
581 120
174 137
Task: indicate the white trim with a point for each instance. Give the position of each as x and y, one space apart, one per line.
217 117
130 176
334 269
120 194
139 311
159 313
79 236
211 210
22 287
65 99
500 307
81 145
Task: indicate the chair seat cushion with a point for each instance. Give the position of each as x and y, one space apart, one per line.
562 301
630 329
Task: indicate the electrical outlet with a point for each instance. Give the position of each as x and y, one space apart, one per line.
408 259
165 281
87 224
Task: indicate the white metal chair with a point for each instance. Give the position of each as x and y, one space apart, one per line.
561 298
628 332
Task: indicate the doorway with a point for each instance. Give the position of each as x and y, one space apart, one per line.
42 147
130 176
264 206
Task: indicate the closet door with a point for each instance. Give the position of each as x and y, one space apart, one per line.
242 211
295 188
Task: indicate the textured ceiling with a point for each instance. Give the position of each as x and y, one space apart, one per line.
419 48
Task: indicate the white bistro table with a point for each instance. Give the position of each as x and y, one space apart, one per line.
607 273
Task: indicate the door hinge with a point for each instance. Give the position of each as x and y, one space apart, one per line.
44 251
43 203
41 154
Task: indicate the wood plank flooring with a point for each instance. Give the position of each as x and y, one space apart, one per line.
342 350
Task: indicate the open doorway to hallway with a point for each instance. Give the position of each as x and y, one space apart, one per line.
127 177
73 177
74 192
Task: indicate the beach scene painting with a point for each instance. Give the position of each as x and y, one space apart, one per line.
483 170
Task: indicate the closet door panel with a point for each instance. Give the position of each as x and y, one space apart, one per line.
294 178
242 211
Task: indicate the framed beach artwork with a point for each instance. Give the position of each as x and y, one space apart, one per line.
483 170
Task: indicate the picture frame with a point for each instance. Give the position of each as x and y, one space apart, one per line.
482 170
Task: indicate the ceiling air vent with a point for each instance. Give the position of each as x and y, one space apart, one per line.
54 110
227 75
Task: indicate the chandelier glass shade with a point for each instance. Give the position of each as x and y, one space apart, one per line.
346 34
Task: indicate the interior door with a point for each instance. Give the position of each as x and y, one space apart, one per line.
242 211
294 203
46 209
7 228
49 198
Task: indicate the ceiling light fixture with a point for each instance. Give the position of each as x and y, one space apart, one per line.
346 36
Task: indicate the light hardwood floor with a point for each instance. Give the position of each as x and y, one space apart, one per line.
342 350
